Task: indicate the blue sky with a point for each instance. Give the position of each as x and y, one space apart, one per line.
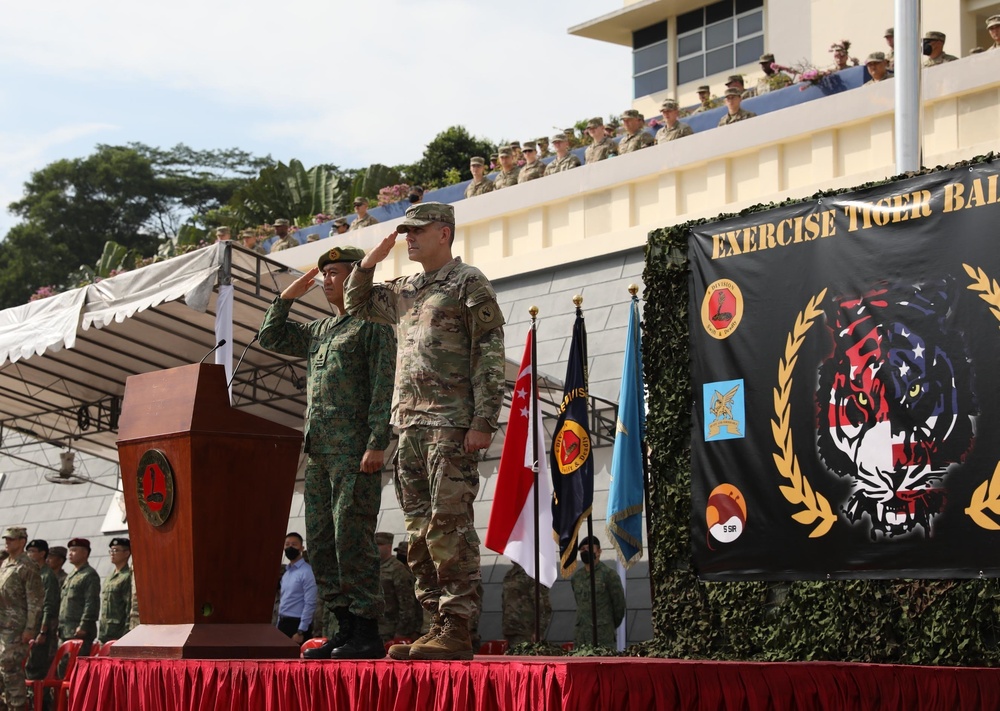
349 83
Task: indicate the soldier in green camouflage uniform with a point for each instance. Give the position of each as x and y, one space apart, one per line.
610 597
285 240
518 605
21 601
533 168
480 183
672 128
116 594
81 597
361 210
543 146
47 641
705 96
509 172
602 147
350 369
449 391
564 160
636 137
734 97
56 559
403 615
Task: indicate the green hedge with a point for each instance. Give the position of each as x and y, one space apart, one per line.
945 622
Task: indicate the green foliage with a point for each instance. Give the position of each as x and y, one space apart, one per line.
369 182
288 191
31 258
946 622
449 150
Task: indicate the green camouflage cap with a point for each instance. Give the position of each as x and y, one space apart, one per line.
505 151
596 122
383 539
891 32
993 21
768 57
312 238
541 141
340 222
733 91
16 532
631 114
933 36
515 144
669 105
360 200
529 146
58 552
426 213
477 160
281 221
559 137
340 254
735 79
875 57
704 89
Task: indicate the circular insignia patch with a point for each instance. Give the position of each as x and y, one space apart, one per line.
572 447
726 514
722 308
155 487
487 312
334 254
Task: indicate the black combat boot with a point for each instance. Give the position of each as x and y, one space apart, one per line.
365 642
345 626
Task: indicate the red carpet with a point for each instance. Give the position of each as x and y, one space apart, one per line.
524 683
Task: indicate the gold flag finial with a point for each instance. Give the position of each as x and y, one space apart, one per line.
577 300
533 311
633 289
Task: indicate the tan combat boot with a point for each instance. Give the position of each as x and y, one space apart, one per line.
402 651
453 643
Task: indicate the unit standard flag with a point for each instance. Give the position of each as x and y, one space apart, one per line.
572 463
511 530
626 493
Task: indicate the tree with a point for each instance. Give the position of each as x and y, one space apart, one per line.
30 258
450 149
288 191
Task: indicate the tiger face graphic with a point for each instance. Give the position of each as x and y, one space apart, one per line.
895 405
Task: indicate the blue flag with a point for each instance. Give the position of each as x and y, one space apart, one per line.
626 494
572 460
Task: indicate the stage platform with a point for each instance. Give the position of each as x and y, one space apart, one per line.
523 683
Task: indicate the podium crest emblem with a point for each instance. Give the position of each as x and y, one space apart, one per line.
155 487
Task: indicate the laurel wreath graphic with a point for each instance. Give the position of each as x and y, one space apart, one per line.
986 497
816 509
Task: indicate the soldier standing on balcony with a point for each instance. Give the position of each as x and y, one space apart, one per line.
361 210
734 97
705 96
635 137
993 27
509 172
480 183
564 160
21 600
285 240
672 128
533 168
601 146
934 50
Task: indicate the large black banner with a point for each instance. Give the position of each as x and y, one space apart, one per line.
845 356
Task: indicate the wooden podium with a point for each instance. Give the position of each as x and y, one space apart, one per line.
207 493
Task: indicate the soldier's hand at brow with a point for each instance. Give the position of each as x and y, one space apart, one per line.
372 461
380 251
474 439
300 286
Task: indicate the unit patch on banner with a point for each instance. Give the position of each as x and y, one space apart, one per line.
724 411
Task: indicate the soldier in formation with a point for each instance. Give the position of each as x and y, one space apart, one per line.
518 604
609 597
21 600
403 615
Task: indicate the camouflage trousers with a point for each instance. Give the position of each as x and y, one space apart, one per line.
436 484
12 653
342 506
42 655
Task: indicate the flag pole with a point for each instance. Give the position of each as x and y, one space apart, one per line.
534 467
633 289
578 302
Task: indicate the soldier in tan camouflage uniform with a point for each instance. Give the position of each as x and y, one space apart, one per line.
602 147
340 226
223 234
251 241
81 597
515 149
993 27
480 183
570 134
533 168
773 79
734 97
21 601
116 593
47 641
285 240
449 391
636 137
349 371
564 160
403 615
705 96
610 597
878 68
937 55
518 605
543 146
672 128
890 39
361 210
508 169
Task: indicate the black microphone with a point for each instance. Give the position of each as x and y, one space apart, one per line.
253 340
218 345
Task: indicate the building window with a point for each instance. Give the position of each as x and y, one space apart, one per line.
649 60
719 38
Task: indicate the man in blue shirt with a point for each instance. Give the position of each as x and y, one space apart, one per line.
298 592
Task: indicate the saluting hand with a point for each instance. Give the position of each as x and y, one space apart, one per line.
380 251
300 286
